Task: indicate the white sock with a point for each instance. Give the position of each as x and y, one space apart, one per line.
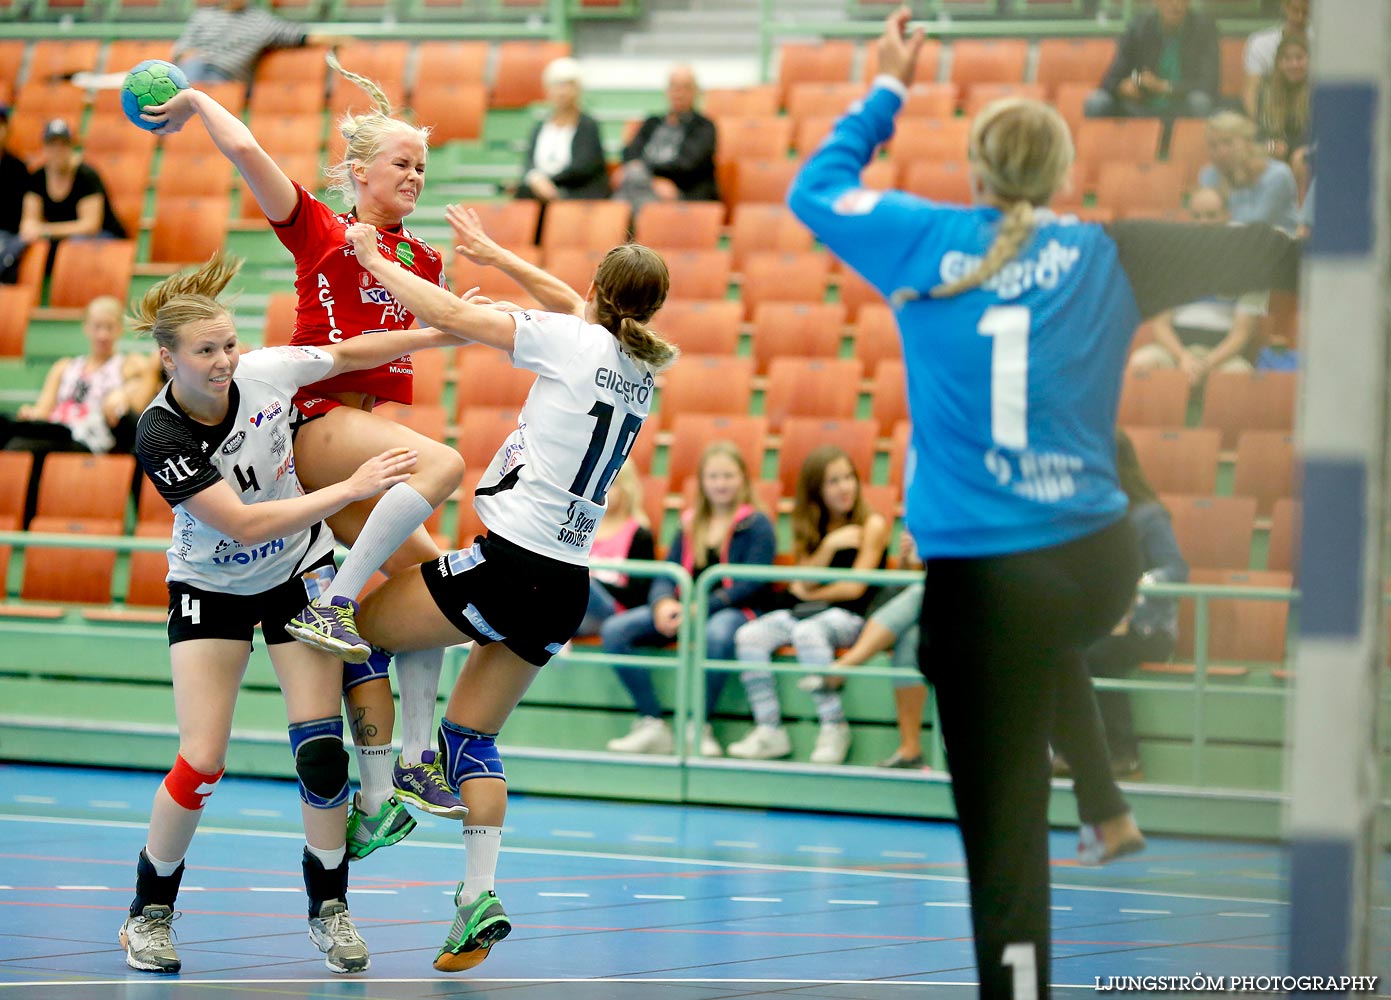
418 680
162 868
398 513
481 845
329 859
374 765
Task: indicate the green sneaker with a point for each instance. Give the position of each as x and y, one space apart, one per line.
366 833
477 927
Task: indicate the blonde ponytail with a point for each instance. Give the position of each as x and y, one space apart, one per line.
1020 152
186 297
364 134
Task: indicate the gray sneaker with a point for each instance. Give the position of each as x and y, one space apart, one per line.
333 933
149 940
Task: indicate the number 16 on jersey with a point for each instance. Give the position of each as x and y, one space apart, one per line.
627 434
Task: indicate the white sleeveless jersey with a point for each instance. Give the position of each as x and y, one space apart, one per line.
251 450
544 490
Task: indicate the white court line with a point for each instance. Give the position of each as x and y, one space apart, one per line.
564 895
647 859
636 895
652 838
581 834
272 888
746 844
853 902
1171 871
819 849
755 899
1065 909
6 887
371 892
270 813
1155 913
84 888
37 800
904 855
960 905
107 804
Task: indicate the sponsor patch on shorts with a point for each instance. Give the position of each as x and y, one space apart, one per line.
460 561
476 619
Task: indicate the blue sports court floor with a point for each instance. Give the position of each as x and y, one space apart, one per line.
608 900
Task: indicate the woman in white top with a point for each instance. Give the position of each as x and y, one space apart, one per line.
521 590
248 546
565 154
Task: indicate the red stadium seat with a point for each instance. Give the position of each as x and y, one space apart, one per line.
796 330
1265 468
1239 401
693 432
1155 398
1213 532
801 436
703 383
812 387
698 274
1285 523
766 229
890 393
680 225
826 61
787 277
1177 460
1073 60
876 336
701 327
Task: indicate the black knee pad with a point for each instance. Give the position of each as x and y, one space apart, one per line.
321 763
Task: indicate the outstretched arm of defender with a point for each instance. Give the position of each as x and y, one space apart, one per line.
433 304
470 239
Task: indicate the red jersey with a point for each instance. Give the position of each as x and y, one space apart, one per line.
339 298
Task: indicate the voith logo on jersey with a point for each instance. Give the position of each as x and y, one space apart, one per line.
268 414
251 555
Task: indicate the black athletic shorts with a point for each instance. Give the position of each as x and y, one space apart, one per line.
497 591
207 614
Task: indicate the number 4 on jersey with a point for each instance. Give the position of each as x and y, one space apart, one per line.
627 434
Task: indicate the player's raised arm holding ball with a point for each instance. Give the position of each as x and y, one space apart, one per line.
1015 325
381 176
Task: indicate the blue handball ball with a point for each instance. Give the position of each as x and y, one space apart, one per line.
152 82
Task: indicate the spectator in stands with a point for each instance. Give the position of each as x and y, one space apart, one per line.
1167 64
565 155
1282 108
673 155
1209 335
65 196
834 528
89 403
1259 54
14 181
1257 187
725 526
622 534
225 42
1149 632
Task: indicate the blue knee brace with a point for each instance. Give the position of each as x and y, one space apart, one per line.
467 754
321 763
376 667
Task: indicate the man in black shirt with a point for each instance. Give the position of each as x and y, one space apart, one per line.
14 181
673 155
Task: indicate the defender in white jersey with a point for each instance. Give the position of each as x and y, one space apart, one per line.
521 590
249 546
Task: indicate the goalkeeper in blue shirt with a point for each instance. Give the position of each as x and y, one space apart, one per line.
1015 324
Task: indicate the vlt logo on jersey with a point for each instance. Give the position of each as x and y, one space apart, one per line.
175 470
269 413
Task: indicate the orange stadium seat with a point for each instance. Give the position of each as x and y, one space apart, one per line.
510 223
947 181
302 167
701 327
15 469
987 60
588 225
796 330
52 57
820 100
766 229
280 319
898 452
487 378
382 62
1070 100
11 58
1114 140
1239 630
759 100
761 182
288 135
441 62
426 419
812 387
784 277
152 508
876 336
430 368
698 274
931 100
293 65
76 575
763 137
1177 460
1233 66
680 225
189 230
810 134
108 135
146 587
804 435
706 383
482 429
1265 468
574 265
693 432
193 176
84 269
1155 398
1188 147
926 70
78 486
452 110
16 302
983 94
1140 188
930 139
827 61
31 266
1249 401
856 293
464 274
1282 552
292 97
517 82
1073 60
122 54
1213 532
890 393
